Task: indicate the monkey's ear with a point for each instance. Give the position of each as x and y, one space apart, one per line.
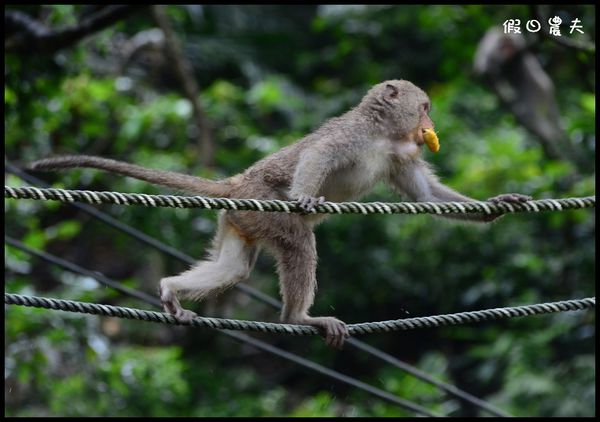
391 92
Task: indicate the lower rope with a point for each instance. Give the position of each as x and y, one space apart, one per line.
302 330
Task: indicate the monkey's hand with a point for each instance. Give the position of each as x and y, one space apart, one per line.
515 198
308 203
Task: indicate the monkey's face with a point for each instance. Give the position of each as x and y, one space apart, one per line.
402 107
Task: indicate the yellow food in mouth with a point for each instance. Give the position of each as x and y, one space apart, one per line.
431 140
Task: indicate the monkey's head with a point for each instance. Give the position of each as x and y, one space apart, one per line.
400 107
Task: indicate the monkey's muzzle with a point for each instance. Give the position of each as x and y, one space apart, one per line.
431 140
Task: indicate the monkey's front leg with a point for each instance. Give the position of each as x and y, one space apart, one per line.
297 263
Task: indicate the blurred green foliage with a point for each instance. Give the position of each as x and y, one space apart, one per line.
268 75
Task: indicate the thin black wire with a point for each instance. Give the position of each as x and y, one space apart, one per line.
406 404
274 303
77 269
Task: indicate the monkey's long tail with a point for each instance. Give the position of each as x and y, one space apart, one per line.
192 184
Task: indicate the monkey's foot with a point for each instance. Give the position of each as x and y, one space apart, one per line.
511 197
334 331
172 306
185 315
307 203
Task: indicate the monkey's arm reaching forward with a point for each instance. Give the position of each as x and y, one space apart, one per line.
416 180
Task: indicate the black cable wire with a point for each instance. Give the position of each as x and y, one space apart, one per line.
406 404
77 269
274 303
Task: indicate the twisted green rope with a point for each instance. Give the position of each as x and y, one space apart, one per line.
301 330
274 205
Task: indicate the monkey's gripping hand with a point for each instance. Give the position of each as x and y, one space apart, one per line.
515 198
511 197
307 203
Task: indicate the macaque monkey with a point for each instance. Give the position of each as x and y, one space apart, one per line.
380 139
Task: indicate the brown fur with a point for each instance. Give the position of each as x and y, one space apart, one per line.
380 139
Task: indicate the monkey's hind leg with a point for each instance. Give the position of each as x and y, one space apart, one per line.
231 261
297 266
